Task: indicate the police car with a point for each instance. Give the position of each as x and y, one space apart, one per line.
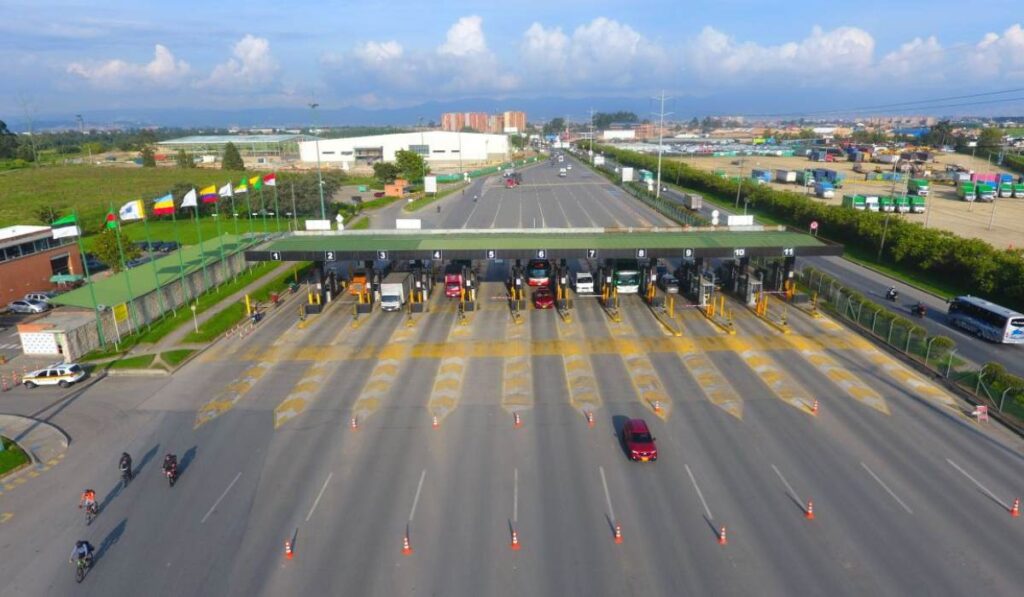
60 374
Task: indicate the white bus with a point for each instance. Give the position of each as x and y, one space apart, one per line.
987 320
626 276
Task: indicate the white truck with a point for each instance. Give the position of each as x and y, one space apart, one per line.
583 283
693 201
394 291
561 172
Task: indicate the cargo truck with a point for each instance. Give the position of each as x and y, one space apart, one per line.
886 204
986 192
872 203
824 190
854 202
761 176
902 204
1005 189
917 204
966 191
831 176
805 177
394 291
358 284
1018 190
918 186
453 281
695 202
785 176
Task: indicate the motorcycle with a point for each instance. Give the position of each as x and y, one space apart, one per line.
920 310
172 475
126 476
892 295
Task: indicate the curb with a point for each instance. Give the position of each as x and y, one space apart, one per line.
137 372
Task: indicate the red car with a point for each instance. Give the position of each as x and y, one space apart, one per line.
543 298
638 441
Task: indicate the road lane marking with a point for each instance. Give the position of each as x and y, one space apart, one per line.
712 383
515 495
840 376
886 487
777 379
416 499
215 504
316 502
786 483
980 486
607 496
6 516
699 494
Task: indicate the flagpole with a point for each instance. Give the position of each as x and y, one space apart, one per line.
234 214
185 293
224 262
248 206
156 274
132 311
202 250
88 280
263 208
277 209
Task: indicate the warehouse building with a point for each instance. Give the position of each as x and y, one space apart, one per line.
255 148
440 148
31 260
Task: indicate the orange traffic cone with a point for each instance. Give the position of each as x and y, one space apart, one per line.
814 407
436 423
618 533
515 541
721 537
288 549
1015 510
406 547
657 407
517 421
809 512
590 419
355 424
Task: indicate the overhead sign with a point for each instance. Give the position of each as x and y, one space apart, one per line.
688 253
739 253
739 220
542 254
591 253
328 255
492 254
121 312
382 255
789 252
275 255
436 254
641 253
408 224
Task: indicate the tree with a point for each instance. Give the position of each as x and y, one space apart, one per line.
26 151
47 213
184 160
106 250
385 172
232 160
554 126
411 165
8 142
603 119
148 157
990 138
517 141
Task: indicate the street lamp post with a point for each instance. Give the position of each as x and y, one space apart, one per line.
195 322
739 183
319 175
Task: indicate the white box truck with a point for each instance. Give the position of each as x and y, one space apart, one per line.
394 291
693 201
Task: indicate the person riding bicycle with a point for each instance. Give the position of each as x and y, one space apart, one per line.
170 463
125 464
88 499
83 550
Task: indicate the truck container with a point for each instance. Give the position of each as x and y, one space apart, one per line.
761 176
824 190
827 175
695 202
453 281
967 191
872 203
902 204
1004 177
917 204
986 192
394 291
805 177
918 186
358 284
854 202
979 177
785 176
1005 189
886 204
1018 190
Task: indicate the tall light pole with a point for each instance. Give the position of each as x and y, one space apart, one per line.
81 129
423 157
319 175
661 131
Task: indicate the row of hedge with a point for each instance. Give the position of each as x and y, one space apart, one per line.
995 273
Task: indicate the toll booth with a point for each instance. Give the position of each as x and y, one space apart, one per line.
422 284
371 291
741 280
563 300
517 288
649 284
468 295
609 294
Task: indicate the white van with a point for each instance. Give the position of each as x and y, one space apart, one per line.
583 283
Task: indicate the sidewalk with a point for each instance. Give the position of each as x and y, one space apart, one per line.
41 441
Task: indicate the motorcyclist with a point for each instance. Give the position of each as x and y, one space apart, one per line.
921 309
891 293
125 465
171 464
82 550
88 499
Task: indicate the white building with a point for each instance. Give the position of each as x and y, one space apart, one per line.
439 147
618 134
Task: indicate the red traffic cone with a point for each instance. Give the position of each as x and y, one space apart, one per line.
1015 509
436 423
590 418
288 549
515 541
657 406
354 424
618 533
814 407
721 537
406 547
809 512
517 422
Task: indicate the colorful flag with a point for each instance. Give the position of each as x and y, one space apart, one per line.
133 210
65 227
256 182
111 221
163 206
270 180
208 194
242 186
189 200
225 191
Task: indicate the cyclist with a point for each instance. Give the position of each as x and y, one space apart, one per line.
125 465
88 499
171 464
83 550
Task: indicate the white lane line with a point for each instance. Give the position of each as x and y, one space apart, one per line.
699 494
416 499
515 495
975 481
607 496
786 483
886 487
316 502
215 504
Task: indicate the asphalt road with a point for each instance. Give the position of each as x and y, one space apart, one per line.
909 496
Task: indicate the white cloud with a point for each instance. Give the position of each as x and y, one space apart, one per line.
920 57
250 66
380 53
163 71
999 55
465 38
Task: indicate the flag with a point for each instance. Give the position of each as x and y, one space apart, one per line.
163 206
208 194
270 180
225 191
133 210
242 186
256 182
189 200
111 221
65 227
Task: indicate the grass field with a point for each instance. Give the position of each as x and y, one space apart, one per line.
90 189
12 456
184 230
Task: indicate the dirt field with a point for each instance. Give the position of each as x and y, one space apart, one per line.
945 210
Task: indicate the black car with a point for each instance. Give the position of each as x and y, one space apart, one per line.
669 283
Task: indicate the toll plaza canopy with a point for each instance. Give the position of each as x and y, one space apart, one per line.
543 243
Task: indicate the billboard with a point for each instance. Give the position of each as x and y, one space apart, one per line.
430 184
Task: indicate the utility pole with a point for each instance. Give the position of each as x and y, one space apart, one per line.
319 175
591 136
661 132
739 184
81 130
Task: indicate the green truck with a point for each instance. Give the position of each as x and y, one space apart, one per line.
967 191
916 204
887 204
854 202
1018 190
903 204
918 186
986 192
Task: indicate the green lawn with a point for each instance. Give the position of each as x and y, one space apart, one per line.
90 189
12 456
175 357
360 224
139 362
428 199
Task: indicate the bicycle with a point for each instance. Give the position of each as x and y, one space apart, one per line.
91 512
82 566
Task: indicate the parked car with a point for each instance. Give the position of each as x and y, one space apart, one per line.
42 296
378 194
138 261
543 298
27 306
60 374
638 441
169 246
669 283
583 283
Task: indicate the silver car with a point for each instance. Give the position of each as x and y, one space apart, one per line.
27 306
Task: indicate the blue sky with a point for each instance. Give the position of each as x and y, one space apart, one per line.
74 57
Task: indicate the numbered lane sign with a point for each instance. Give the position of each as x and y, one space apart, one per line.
437 254
739 252
591 253
275 256
789 252
382 255
688 253
641 253
492 254
329 256
542 254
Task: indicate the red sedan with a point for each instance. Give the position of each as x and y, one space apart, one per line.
543 298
